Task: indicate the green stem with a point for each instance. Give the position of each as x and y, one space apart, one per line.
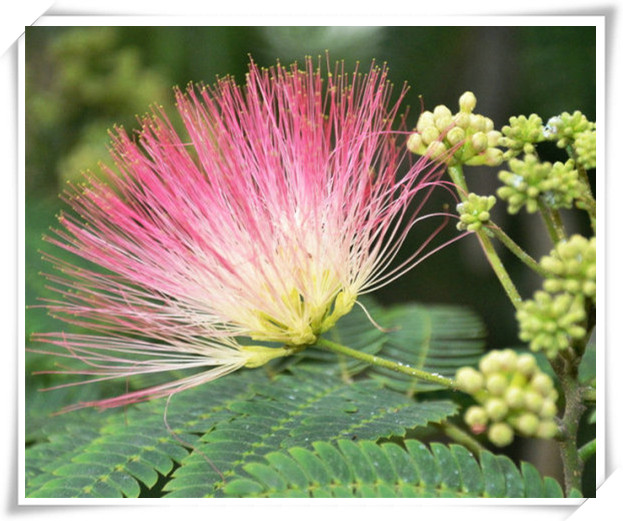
388 364
588 200
499 268
462 437
567 372
517 250
587 450
553 222
458 178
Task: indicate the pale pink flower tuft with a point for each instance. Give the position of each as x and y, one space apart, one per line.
281 205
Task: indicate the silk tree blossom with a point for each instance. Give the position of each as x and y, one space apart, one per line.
279 204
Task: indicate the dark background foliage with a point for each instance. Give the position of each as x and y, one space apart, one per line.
83 80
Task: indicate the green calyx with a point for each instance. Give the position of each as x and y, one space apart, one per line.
257 356
565 128
551 323
521 134
513 395
459 138
530 181
474 212
573 267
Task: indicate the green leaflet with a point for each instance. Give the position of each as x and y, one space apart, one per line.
225 425
367 469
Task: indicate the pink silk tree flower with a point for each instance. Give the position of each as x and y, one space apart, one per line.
279 204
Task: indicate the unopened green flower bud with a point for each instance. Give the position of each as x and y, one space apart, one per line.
533 401
476 418
514 397
436 150
496 408
542 383
496 384
467 102
479 123
528 424
500 434
490 363
415 144
455 135
493 138
508 359
462 120
425 120
479 142
441 111
547 429
493 157
548 410
526 364
429 135
469 380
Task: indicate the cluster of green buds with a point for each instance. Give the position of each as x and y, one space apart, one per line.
474 212
585 147
555 317
565 128
460 138
551 322
573 267
521 134
530 181
513 395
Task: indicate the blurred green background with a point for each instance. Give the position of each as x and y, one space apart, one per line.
80 81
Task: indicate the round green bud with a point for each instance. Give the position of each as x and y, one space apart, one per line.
415 144
455 135
496 408
469 380
508 360
462 120
493 157
542 383
500 434
467 102
496 384
429 134
528 424
479 142
441 111
436 150
549 410
425 120
533 401
493 138
547 429
514 397
490 363
476 418
526 364
478 123
443 123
